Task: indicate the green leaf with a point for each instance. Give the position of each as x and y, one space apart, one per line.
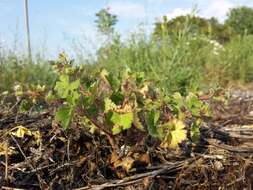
24 106
67 90
62 86
87 101
114 81
178 99
117 97
50 96
140 77
64 79
109 105
64 115
152 118
74 85
195 133
137 123
193 104
122 120
73 97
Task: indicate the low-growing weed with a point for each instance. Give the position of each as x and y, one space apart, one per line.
113 104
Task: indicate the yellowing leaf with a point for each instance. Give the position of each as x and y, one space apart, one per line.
36 135
177 137
116 129
5 149
137 123
126 108
21 132
62 57
63 139
144 90
176 134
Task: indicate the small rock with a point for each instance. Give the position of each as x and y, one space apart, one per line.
251 113
218 166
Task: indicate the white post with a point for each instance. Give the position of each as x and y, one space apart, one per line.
28 30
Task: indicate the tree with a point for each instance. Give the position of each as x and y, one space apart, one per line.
105 25
209 27
106 21
240 19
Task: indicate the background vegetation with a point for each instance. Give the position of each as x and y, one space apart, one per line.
181 54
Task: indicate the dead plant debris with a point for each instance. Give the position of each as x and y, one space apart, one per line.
37 154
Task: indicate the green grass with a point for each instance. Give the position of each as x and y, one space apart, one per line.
16 69
182 62
176 63
238 59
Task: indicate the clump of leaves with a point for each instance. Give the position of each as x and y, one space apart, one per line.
29 96
112 104
68 92
190 104
105 21
191 108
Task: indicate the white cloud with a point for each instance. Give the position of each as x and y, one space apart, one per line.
217 8
178 12
127 9
207 9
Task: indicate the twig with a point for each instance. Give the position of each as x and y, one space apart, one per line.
135 178
21 151
68 150
43 184
38 169
23 121
61 166
6 161
231 148
11 188
235 181
16 104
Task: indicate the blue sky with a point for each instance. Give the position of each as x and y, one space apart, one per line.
55 23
